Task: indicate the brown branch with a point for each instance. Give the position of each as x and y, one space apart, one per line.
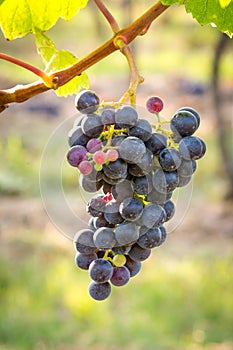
24 92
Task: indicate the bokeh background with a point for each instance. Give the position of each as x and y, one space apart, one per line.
183 297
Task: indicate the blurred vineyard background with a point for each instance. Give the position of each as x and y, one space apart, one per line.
183 297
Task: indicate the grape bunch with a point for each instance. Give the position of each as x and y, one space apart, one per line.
137 166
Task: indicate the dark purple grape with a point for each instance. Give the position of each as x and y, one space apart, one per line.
142 185
183 123
169 208
138 253
169 159
77 137
76 155
143 166
104 238
192 147
187 167
132 149
133 266
100 221
108 116
112 214
126 233
150 239
131 209
164 181
94 145
163 234
83 261
156 143
96 206
116 169
87 102
120 276
99 291
142 130
100 270
193 111
92 126
126 117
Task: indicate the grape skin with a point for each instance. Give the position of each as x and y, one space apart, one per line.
85 167
192 147
131 209
126 117
154 104
104 238
153 214
96 206
76 155
83 261
150 239
132 149
116 169
87 102
120 276
77 137
164 182
133 266
143 166
156 143
88 185
99 291
187 167
100 270
132 233
138 253
108 116
142 130
169 208
84 237
92 126
169 159
184 123
193 111
94 145
142 185
111 213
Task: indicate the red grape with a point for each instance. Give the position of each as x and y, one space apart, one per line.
154 104
112 155
85 167
99 157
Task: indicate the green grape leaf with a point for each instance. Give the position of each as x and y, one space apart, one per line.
45 46
211 12
218 13
18 18
55 59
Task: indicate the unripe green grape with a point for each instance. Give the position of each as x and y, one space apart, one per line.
119 260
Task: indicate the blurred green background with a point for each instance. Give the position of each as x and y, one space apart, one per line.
183 297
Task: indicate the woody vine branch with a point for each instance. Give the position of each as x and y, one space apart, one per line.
128 34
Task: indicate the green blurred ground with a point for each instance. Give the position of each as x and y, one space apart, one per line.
182 298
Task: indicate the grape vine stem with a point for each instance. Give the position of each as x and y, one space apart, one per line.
111 20
21 93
